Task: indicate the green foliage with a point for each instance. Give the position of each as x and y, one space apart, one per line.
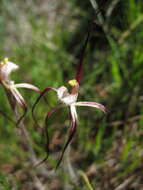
47 54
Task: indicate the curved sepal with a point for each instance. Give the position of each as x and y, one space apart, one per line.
42 93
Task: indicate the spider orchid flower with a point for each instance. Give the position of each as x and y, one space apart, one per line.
68 99
6 68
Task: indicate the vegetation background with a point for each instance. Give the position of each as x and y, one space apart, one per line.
45 39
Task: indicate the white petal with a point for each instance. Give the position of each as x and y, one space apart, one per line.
6 69
92 104
62 92
18 97
26 85
73 112
65 97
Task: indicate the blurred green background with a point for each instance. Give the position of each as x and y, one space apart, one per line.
45 39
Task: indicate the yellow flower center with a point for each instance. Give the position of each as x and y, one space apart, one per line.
73 82
5 60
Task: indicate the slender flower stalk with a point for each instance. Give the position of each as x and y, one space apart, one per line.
14 96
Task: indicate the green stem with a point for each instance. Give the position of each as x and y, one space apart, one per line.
86 180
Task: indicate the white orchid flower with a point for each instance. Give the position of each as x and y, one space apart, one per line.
68 99
6 68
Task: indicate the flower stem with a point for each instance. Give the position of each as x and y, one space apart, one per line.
86 180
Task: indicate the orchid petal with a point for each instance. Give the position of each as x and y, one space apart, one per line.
11 98
80 65
28 86
18 97
6 67
73 113
49 114
62 92
46 90
15 97
21 117
20 100
92 104
71 134
65 97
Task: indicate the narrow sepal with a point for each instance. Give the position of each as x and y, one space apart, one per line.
28 86
92 104
79 70
46 90
70 137
18 98
21 117
49 114
14 99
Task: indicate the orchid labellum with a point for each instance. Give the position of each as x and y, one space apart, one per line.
6 68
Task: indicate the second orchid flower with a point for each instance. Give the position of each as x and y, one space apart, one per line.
6 68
